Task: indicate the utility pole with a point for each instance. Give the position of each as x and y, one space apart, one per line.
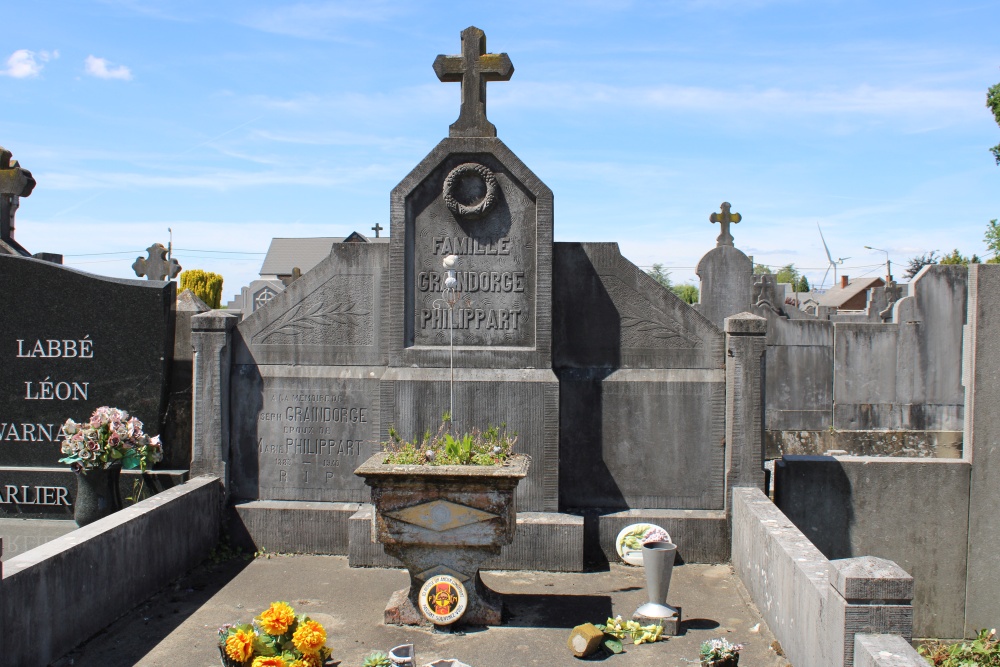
888 264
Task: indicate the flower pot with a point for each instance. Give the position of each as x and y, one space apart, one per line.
444 520
97 494
722 662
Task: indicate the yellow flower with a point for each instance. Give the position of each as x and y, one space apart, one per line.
309 660
239 645
273 661
277 618
309 637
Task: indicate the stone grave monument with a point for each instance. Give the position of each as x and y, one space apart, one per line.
15 183
632 405
71 342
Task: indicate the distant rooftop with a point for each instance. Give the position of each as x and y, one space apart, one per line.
837 296
285 254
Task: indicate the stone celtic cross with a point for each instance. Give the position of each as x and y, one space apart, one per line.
14 183
156 267
473 69
724 218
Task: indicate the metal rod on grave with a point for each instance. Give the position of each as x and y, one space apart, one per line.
451 297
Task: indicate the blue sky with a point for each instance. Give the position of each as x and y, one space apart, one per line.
234 122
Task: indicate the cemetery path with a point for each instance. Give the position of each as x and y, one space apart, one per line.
178 625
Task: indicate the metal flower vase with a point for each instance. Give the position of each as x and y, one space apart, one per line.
97 494
658 561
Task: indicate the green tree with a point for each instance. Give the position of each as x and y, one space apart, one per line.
759 269
914 264
803 285
206 285
957 258
660 275
788 274
992 240
687 293
993 102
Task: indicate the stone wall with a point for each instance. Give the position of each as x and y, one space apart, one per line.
815 607
913 512
862 374
60 594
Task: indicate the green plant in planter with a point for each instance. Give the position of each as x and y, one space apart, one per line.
377 659
483 448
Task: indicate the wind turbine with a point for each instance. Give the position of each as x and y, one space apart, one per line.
833 264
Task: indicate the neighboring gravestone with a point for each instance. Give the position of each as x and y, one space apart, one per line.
726 274
15 183
71 342
158 265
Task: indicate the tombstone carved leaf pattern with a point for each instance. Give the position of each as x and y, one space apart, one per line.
301 318
642 323
340 312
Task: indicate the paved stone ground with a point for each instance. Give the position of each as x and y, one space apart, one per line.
179 625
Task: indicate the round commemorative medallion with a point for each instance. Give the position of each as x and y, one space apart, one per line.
443 599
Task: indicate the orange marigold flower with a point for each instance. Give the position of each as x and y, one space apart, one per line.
277 618
309 660
239 645
272 661
309 637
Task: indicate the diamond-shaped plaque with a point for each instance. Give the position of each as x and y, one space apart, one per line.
441 515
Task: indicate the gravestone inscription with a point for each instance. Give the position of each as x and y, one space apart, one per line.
305 382
71 342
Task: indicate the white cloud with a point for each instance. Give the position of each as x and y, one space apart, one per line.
22 64
100 68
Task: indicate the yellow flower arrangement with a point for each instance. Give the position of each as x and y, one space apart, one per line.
276 638
239 645
309 637
269 661
277 618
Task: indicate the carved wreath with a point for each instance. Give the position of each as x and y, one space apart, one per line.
471 211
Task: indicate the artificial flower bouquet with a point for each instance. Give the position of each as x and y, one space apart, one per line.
720 651
111 436
276 638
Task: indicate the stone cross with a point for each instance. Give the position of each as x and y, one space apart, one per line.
156 267
15 183
724 218
377 228
473 69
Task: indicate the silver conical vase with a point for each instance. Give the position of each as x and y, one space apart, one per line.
658 561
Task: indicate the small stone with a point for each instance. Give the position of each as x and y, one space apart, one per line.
584 640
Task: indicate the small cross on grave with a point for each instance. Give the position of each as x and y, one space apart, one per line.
377 228
156 267
14 184
724 218
473 69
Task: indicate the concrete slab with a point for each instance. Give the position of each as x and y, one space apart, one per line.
178 625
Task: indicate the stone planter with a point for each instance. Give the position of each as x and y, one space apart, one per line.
444 520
